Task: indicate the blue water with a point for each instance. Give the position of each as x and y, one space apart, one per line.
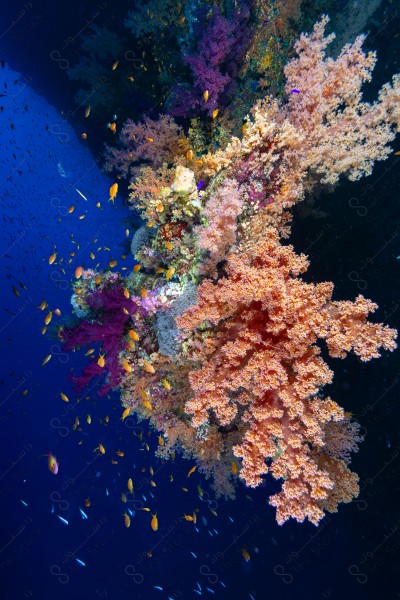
43 162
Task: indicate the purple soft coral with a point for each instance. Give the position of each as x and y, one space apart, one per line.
214 66
106 325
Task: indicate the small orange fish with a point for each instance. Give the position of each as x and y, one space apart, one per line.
112 127
115 65
127 519
169 273
130 485
206 96
148 367
234 468
112 264
113 192
43 305
57 312
154 522
187 517
71 209
101 361
147 405
133 335
78 272
87 502
127 367
161 440
214 113
189 155
64 397
87 111
166 384
48 317
84 136
125 414
150 140
137 268
192 470
52 463
245 555
100 448
52 258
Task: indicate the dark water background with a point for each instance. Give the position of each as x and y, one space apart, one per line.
354 243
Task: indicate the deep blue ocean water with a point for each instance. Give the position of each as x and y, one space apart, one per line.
43 162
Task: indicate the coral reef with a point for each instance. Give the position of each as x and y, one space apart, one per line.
215 337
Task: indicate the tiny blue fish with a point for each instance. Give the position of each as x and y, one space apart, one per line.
197 592
63 520
193 554
80 562
83 514
200 185
294 91
157 587
24 503
210 590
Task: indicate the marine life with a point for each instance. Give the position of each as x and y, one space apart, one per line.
52 463
154 522
113 191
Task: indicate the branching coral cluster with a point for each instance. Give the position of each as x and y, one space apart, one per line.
239 386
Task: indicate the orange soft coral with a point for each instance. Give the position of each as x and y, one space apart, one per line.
252 337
